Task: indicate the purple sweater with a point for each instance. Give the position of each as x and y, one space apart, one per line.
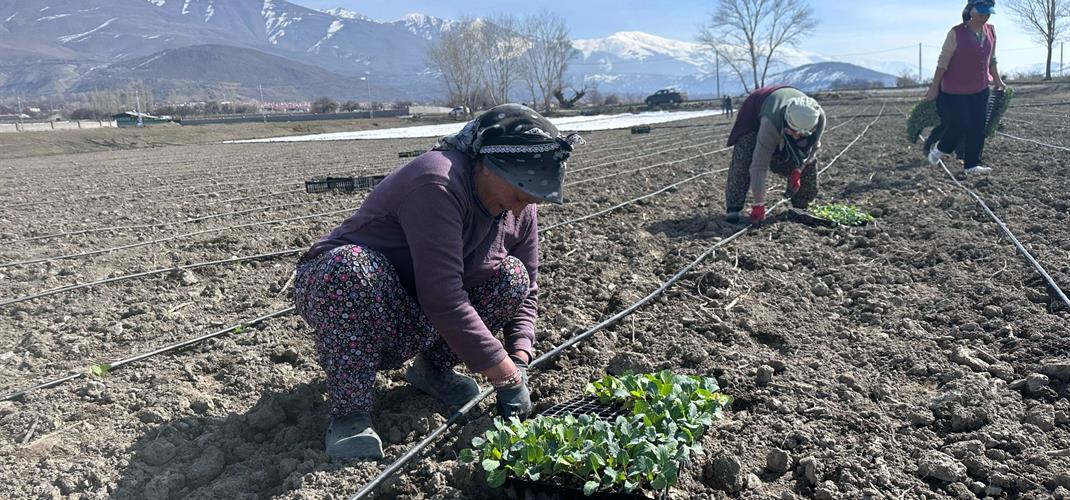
425 219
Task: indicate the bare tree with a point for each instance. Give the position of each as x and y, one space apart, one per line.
500 49
453 55
1045 20
747 34
548 53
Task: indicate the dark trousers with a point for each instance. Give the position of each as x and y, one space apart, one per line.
963 118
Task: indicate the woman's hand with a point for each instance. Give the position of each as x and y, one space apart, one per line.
932 93
511 387
999 84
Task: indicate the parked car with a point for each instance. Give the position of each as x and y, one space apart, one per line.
666 97
459 112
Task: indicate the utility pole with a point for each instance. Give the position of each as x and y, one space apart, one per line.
262 114
717 70
137 97
368 78
1061 58
921 78
18 98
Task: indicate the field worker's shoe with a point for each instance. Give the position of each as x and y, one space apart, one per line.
352 438
450 387
977 170
935 154
732 217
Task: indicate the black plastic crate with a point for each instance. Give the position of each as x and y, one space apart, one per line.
369 181
641 129
411 154
325 184
346 184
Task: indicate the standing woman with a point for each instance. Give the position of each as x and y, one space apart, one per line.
442 254
966 68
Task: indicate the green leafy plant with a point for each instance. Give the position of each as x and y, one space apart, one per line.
923 115
643 451
99 369
841 214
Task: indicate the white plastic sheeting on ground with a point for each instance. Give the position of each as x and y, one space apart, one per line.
572 123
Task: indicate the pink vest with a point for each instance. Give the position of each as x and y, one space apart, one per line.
967 73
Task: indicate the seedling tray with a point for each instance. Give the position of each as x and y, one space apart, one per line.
346 184
584 405
411 154
521 489
641 129
804 217
515 488
809 219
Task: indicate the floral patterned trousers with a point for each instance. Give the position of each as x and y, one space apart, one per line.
365 321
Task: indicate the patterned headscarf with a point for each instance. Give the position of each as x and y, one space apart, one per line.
519 145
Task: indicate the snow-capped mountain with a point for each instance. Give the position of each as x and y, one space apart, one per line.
56 46
427 27
346 14
831 75
633 63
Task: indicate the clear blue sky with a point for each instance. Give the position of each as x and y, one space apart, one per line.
878 30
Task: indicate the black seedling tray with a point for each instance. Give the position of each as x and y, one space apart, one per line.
521 489
804 217
584 405
411 154
346 184
641 129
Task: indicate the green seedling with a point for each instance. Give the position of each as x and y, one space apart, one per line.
239 329
839 213
924 115
99 369
643 451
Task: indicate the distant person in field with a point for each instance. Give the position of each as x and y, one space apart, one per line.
442 254
726 105
778 129
965 70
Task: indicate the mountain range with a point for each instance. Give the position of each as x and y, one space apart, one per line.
231 49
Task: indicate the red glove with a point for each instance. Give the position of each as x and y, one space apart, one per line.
757 213
795 181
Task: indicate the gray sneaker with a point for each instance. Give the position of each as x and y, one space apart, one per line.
450 387
977 169
352 438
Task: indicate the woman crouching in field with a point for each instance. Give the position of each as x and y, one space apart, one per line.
442 254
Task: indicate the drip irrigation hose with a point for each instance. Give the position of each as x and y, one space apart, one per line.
158 224
629 202
78 286
462 413
675 147
648 167
1063 148
168 348
171 238
73 376
1053 288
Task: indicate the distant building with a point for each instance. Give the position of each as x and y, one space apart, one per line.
130 119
